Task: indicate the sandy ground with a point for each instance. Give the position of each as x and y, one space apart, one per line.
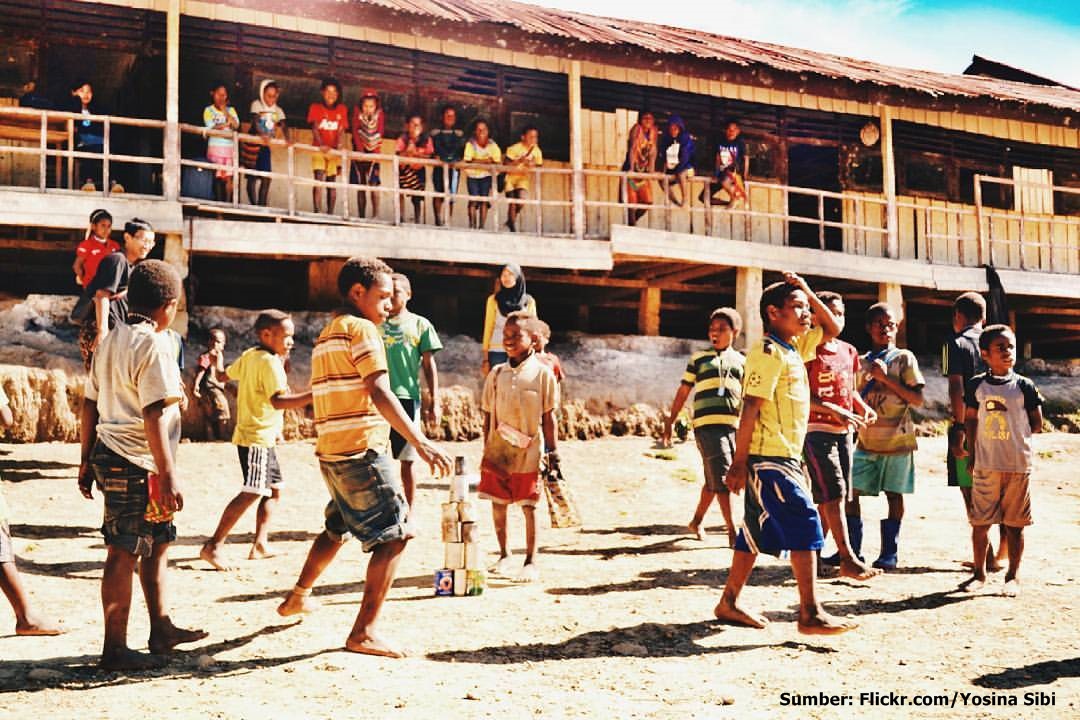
619 626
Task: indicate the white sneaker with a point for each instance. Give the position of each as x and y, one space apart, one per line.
1011 589
503 568
529 573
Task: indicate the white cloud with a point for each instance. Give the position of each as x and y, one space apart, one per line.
894 32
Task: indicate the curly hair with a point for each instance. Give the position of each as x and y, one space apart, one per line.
153 283
362 270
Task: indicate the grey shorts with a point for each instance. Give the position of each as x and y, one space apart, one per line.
716 443
367 500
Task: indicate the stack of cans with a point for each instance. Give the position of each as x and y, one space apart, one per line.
461 573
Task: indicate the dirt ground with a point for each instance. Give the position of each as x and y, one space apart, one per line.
619 625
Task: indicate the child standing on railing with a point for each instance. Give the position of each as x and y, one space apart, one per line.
449 142
524 155
414 142
89 134
368 123
731 167
268 122
480 150
221 116
328 120
97 245
677 151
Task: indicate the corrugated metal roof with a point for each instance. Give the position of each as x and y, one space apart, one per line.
666 40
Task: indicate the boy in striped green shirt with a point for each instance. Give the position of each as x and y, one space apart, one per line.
715 377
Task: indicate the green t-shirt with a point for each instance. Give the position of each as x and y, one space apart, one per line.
407 337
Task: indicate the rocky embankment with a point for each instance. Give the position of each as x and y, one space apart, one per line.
615 384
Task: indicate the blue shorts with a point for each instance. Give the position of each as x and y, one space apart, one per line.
778 514
479 187
871 473
262 161
438 182
366 500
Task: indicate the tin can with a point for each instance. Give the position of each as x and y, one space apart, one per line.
469 532
466 511
451 528
454 555
475 582
460 582
444 583
471 555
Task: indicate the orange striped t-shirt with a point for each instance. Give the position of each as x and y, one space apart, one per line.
347 422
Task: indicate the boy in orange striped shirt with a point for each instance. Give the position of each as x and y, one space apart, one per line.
354 411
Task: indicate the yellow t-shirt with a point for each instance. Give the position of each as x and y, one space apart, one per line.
776 372
261 375
473 152
348 350
522 180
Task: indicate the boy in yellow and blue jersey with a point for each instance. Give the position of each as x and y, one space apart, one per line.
715 377
779 514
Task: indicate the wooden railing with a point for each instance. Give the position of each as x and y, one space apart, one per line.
927 231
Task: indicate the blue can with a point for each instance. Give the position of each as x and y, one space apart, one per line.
444 583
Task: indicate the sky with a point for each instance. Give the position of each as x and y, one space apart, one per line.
1041 37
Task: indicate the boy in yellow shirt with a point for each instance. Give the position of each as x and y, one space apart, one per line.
779 514
523 156
261 401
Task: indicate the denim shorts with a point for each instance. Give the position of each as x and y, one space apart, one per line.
124 486
366 500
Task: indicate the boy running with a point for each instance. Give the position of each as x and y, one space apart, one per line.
715 377
130 430
1003 410
411 343
355 409
891 383
261 401
27 622
778 514
834 408
519 400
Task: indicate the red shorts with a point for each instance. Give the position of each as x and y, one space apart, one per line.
515 488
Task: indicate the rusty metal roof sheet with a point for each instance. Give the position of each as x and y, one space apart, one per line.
667 40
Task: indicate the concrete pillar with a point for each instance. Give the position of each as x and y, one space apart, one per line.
888 181
577 157
322 283
171 171
648 318
177 255
893 294
747 302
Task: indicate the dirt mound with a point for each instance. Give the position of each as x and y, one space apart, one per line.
45 404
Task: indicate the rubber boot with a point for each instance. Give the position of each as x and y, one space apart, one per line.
890 533
854 528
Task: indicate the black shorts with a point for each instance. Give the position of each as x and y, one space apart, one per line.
262 474
399 446
828 463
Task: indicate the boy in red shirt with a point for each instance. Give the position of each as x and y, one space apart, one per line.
328 120
834 408
96 246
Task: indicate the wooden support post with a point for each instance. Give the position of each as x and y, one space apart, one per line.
577 159
177 255
747 299
648 318
893 294
170 181
322 282
888 180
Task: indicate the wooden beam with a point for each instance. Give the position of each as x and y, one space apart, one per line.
888 179
1044 310
577 158
689 273
664 306
649 311
171 170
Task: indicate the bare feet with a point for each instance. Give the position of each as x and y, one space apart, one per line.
732 613
33 625
822 623
260 551
209 553
696 530
992 564
127 659
166 639
851 568
297 604
529 573
1012 588
371 644
503 568
974 586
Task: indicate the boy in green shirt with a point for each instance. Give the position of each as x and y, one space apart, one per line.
411 343
779 514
